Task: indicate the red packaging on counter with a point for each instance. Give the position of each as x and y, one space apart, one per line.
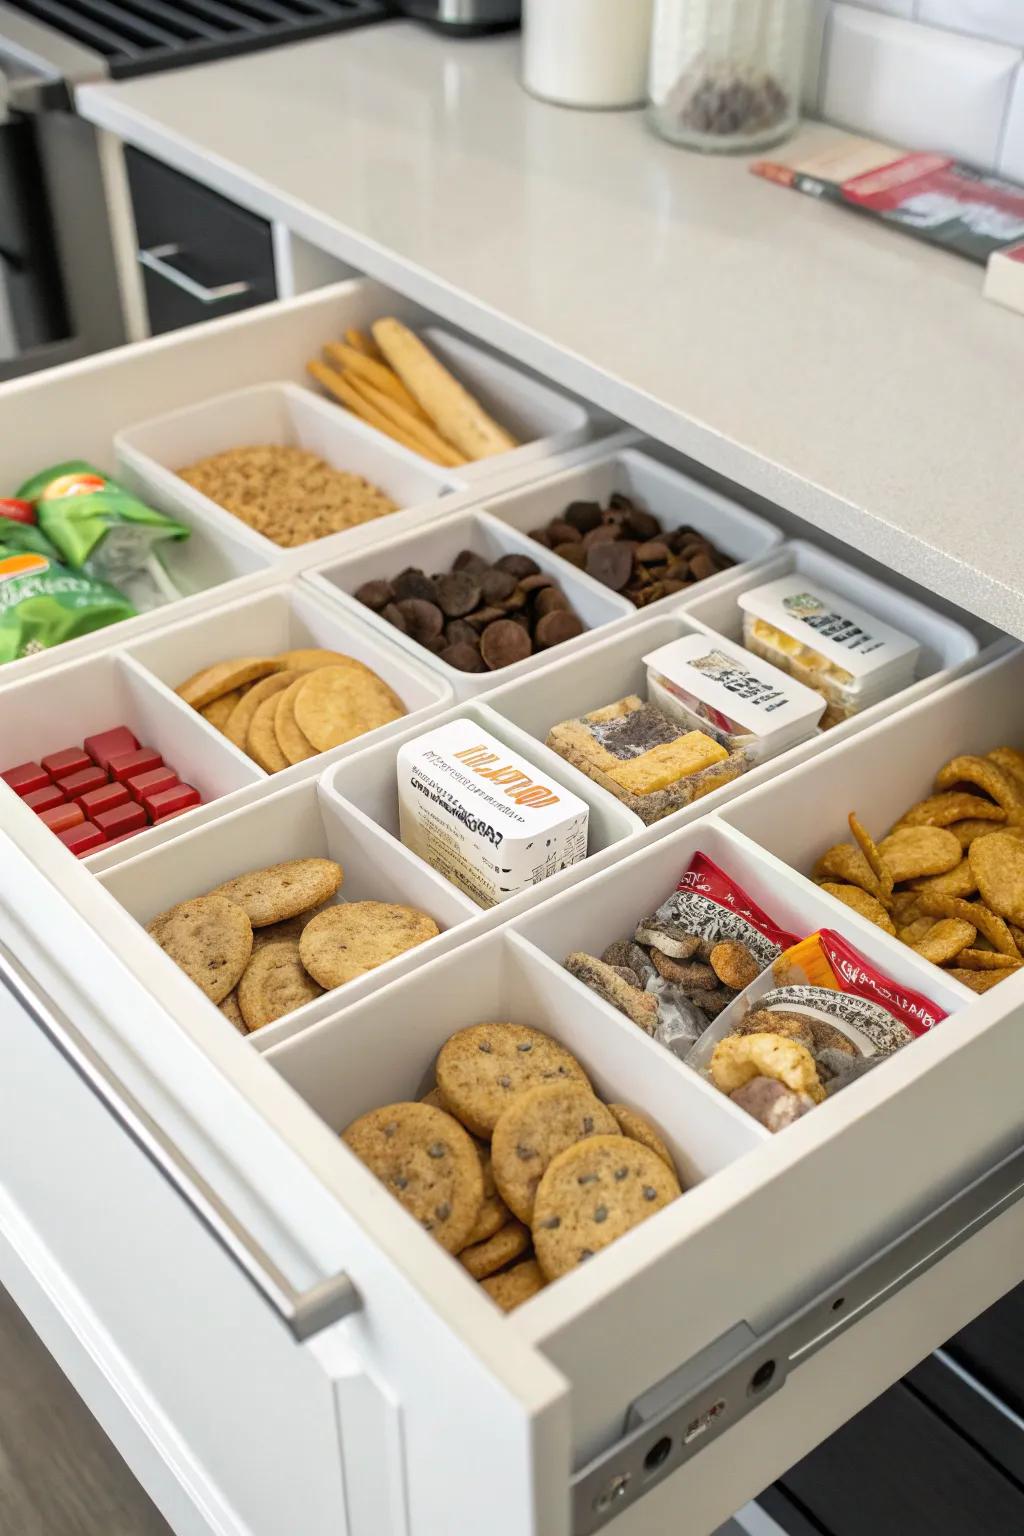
180 797
61 817
84 838
46 798
145 785
25 778
104 798
128 817
128 765
61 765
107 744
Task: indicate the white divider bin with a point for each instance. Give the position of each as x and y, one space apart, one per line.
303 821
287 617
287 416
882 772
672 496
62 707
433 550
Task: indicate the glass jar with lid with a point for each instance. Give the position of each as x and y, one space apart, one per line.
725 74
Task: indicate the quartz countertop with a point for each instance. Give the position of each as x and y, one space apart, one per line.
841 370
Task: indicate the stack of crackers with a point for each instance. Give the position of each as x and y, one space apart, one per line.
513 1163
392 381
283 709
948 878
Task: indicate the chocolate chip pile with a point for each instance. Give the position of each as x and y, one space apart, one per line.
478 617
727 100
623 547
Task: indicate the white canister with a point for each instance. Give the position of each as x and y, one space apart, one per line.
587 53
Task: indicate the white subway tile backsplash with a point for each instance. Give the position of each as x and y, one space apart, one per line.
917 86
1000 20
818 13
891 7
1011 160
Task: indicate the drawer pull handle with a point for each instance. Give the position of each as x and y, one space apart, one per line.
156 260
304 1313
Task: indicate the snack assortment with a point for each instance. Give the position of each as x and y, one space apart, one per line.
283 709
622 545
849 656
480 616
482 816
653 763
948 877
819 1017
266 942
513 1163
287 494
102 792
391 380
677 969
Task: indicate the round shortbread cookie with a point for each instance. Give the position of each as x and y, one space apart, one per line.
481 1069
342 702
510 1242
638 1128
240 718
212 682
514 1286
591 1194
261 743
293 743
308 658
231 1011
348 940
274 983
209 938
282 890
288 928
428 1162
535 1127
219 712
494 1213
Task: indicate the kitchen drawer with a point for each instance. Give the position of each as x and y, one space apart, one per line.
202 256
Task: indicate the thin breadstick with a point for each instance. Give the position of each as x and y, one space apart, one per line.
879 868
433 446
454 412
363 343
338 386
348 360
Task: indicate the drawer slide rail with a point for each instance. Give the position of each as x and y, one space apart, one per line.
698 1402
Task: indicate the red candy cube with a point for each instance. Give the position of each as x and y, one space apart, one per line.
128 765
152 783
26 778
122 818
105 798
80 783
84 838
60 765
60 817
108 744
46 798
180 797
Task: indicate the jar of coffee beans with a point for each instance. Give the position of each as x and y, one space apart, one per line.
725 74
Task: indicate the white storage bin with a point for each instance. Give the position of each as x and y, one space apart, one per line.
61 708
673 497
433 549
287 416
304 821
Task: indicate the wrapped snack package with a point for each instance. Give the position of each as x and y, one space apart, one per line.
98 527
42 603
684 964
818 1018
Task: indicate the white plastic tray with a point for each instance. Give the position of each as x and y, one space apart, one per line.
672 496
433 549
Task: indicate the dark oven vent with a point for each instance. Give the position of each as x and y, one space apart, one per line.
138 37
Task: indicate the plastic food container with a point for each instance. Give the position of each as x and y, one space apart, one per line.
849 656
745 704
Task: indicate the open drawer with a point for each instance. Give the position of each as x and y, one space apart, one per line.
795 1278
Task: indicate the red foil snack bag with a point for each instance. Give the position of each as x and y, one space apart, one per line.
709 905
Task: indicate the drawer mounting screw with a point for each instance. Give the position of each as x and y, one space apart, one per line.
613 1489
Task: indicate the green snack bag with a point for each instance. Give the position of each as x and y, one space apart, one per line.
42 603
99 527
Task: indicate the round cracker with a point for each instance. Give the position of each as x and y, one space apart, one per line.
959 881
308 658
997 863
237 727
218 712
294 743
945 940
348 940
274 983
212 682
915 851
342 702
978 981
842 862
427 1161
261 743
986 960
282 890
209 938
860 901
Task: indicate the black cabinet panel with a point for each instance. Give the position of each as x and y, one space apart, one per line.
205 237
992 1348
982 1420
900 1467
